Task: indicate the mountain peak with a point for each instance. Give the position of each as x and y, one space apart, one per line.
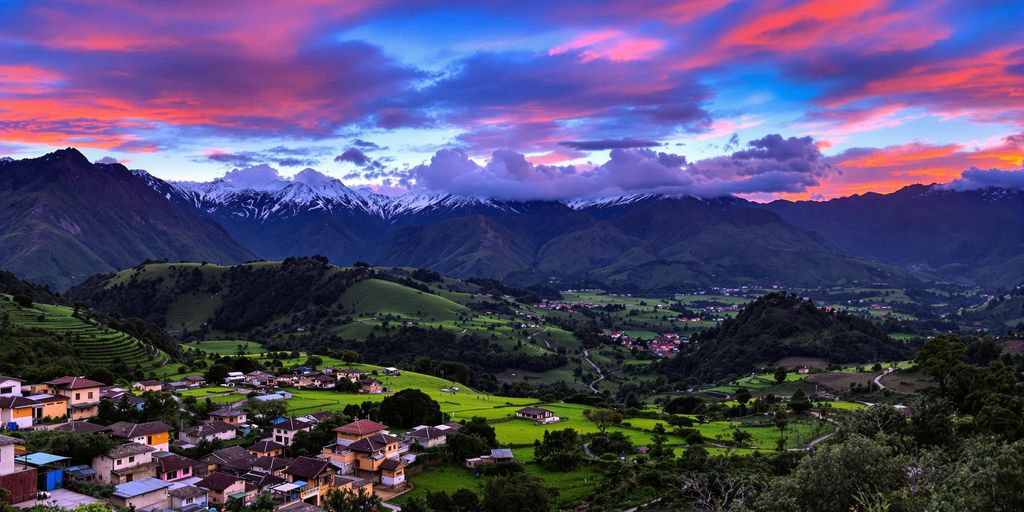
67 156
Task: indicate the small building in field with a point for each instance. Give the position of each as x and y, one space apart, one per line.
147 493
537 414
427 437
194 381
370 386
148 385
391 370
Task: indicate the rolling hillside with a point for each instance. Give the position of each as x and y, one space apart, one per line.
92 344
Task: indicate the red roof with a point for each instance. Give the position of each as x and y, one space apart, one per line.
74 383
361 427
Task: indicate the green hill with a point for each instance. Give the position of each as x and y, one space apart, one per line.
296 295
781 325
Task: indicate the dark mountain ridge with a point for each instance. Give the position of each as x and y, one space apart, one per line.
65 218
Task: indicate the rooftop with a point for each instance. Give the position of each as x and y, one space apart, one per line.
361 427
129 449
140 487
74 383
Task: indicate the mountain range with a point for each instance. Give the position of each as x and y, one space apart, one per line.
66 218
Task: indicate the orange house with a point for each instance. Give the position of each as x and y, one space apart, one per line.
151 433
372 451
83 394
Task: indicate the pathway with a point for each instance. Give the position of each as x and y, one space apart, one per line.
600 374
878 379
539 332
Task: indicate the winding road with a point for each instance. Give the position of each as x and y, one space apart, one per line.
600 374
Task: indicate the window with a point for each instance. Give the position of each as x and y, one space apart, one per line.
78 396
90 395
6 391
131 459
117 462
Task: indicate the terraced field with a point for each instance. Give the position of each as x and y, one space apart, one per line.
99 345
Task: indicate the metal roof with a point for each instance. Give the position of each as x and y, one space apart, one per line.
140 487
40 458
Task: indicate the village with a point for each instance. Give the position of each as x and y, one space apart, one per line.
145 470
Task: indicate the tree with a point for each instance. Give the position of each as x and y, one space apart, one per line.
603 418
262 412
314 361
560 450
347 500
23 300
612 442
831 478
799 402
465 500
263 503
781 423
688 404
741 437
463 446
780 375
80 447
311 443
479 427
742 396
516 493
408 408
216 373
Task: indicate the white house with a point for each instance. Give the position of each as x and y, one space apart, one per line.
285 431
9 386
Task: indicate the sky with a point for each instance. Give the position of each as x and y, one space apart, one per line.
796 99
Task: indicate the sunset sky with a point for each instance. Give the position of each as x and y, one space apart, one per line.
548 99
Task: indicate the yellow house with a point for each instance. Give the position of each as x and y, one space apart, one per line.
53 407
373 450
83 394
233 417
150 433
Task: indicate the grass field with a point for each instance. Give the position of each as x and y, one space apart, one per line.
226 347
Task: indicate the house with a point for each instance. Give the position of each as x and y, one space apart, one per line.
271 465
84 394
234 378
285 431
371 386
497 455
188 497
537 414
234 417
194 381
119 397
260 379
16 412
150 433
18 479
391 370
147 493
148 385
125 463
51 407
371 451
353 483
10 386
208 431
172 467
323 381
351 374
234 460
315 477
221 486
356 430
803 370
392 472
427 437
317 417
267 448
